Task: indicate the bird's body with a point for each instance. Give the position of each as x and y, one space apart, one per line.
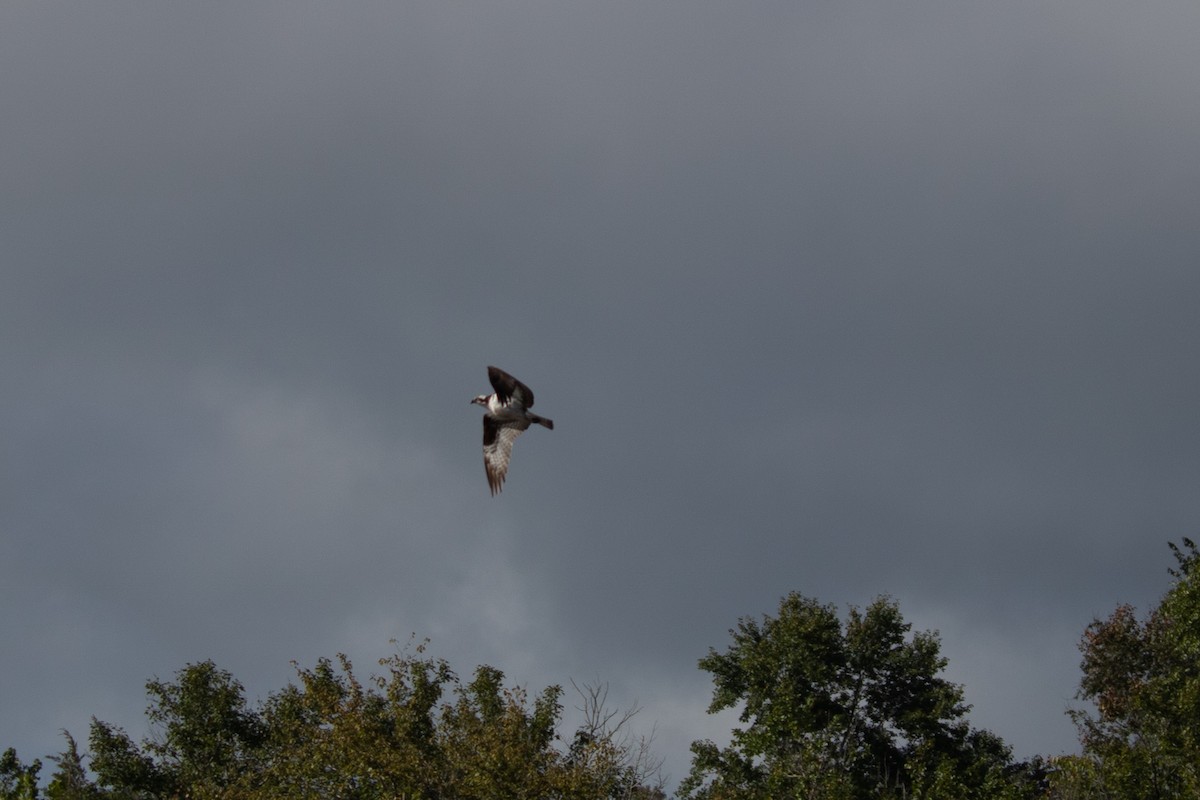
506 415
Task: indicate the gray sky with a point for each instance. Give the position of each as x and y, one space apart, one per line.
847 299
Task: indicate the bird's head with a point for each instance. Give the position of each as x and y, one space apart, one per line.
480 400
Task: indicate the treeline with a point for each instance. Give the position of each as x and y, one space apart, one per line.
830 709
414 731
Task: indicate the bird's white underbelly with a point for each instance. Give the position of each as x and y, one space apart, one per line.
504 410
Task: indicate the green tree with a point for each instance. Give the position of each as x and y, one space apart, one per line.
205 736
120 765
1143 677
495 745
334 736
498 745
833 711
18 781
70 780
330 734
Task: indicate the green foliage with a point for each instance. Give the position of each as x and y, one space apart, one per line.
833 711
1144 679
829 709
70 780
18 781
413 731
494 746
120 765
333 736
206 733
204 737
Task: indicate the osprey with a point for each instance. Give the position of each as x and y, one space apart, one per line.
506 414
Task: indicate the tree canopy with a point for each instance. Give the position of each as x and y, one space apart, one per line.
415 731
830 708
18 780
841 711
1143 678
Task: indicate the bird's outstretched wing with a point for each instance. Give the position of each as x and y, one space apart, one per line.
507 387
498 438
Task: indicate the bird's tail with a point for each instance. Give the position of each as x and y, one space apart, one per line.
549 423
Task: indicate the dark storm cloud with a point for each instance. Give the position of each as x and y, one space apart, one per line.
844 300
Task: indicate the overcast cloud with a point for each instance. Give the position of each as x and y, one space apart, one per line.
848 299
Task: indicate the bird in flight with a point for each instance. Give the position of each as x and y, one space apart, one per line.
506 414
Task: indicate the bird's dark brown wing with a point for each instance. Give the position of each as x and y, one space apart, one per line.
507 387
